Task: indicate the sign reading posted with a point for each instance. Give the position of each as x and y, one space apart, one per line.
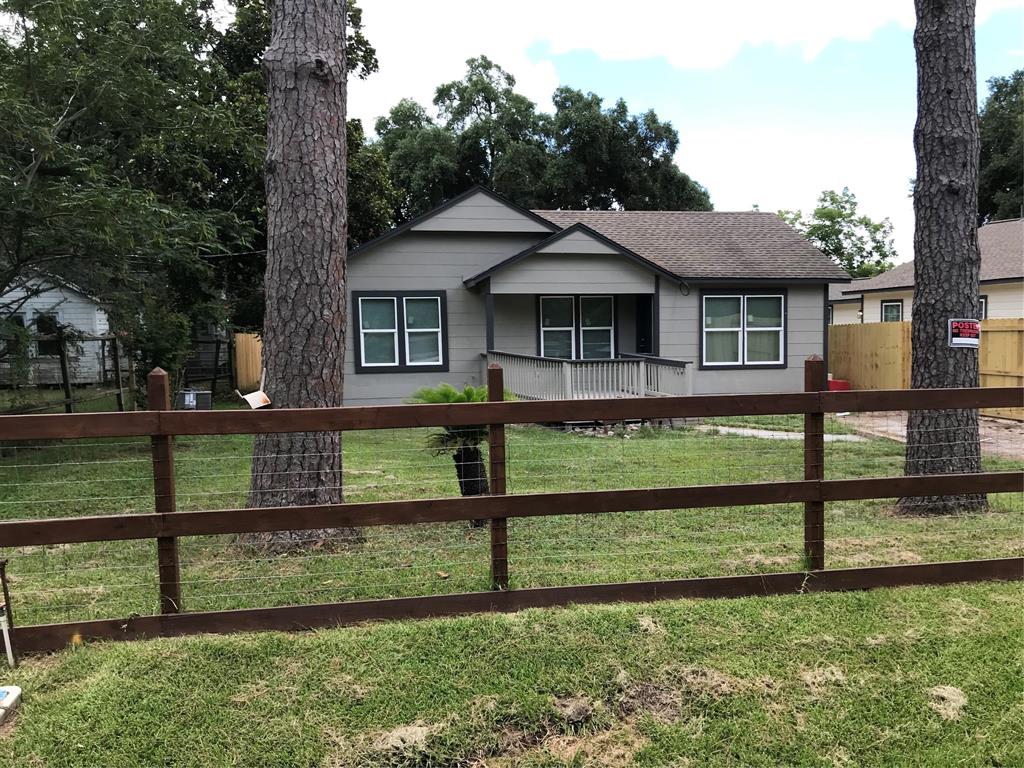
965 333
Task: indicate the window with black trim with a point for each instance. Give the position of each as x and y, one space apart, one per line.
743 330
577 327
400 331
892 311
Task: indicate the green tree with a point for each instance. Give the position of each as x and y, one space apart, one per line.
860 245
581 156
1001 170
107 112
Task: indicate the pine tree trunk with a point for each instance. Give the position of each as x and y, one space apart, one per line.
946 258
304 325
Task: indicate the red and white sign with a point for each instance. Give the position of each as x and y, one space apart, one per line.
965 333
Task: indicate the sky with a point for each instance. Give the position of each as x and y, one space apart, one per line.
774 102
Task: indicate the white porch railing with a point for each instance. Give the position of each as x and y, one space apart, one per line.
546 378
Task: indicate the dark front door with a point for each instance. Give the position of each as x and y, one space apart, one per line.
645 324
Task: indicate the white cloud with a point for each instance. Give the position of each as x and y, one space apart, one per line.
422 44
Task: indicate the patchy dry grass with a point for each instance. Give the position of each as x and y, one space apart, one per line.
884 677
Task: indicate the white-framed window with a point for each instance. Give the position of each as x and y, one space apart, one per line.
422 330
597 327
400 331
558 327
741 329
892 311
983 307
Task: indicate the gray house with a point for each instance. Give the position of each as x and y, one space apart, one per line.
585 303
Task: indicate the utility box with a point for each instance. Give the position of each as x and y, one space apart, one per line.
194 400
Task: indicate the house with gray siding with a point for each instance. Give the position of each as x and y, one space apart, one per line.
585 303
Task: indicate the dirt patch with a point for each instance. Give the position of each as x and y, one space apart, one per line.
820 680
948 701
887 556
650 626
608 749
574 710
999 437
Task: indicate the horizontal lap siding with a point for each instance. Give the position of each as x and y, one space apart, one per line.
428 262
845 314
1004 300
481 213
680 339
573 274
873 304
515 324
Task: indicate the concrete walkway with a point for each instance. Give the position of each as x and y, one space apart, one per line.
773 434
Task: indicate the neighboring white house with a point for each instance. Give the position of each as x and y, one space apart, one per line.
888 297
45 303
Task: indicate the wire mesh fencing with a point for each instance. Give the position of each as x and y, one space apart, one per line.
75 582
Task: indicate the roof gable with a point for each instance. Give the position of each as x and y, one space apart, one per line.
478 209
576 239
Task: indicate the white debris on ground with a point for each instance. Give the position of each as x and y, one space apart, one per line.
10 697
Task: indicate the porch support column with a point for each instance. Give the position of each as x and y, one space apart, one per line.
656 318
489 314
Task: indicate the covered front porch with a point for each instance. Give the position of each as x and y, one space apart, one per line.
573 346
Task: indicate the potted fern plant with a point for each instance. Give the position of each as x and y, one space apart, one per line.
461 443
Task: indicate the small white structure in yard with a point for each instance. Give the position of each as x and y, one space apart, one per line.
44 303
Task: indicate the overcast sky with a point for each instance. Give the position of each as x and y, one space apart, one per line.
774 102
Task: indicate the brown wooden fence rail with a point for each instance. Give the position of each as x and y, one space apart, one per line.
166 524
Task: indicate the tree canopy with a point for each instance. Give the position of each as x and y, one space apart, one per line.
1001 169
860 245
584 155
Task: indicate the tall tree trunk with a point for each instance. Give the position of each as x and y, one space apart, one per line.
946 259
304 325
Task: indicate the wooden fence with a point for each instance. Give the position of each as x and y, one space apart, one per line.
247 360
877 356
166 524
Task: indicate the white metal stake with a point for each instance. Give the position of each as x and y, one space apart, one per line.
7 637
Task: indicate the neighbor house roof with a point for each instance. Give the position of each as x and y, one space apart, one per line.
1002 259
711 245
835 292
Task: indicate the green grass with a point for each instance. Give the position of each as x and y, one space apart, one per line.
806 680
104 580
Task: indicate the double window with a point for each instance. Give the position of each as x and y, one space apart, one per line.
577 327
743 330
400 332
892 311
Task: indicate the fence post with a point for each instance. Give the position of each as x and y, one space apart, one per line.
815 380
496 456
65 372
115 353
158 391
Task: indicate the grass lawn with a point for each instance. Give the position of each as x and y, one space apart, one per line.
117 579
916 676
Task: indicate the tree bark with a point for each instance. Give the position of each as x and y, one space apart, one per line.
304 323
946 258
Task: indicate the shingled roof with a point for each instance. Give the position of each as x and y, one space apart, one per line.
1002 258
711 245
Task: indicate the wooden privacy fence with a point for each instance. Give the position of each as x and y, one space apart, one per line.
814 492
877 356
246 352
